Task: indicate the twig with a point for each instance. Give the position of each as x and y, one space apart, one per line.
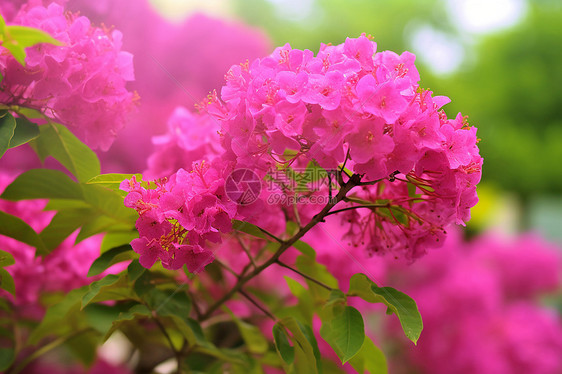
195 305
257 305
271 235
177 353
227 268
359 206
371 183
305 275
245 249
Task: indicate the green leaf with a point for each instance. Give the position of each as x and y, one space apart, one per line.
110 204
412 190
7 357
101 223
282 344
58 319
369 359
28 36
17 38
57 141
63 224
7 282
42 184
345 332
109 258
307 354
84 347
131 312
6 259
14 227
310 267
112 181
24 132
191 330
135 270
7 129
227 355
249 228
305 249
169 302
97 286
116 239
62 204
254 339
397 302
305 302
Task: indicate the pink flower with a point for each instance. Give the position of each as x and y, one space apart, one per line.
479 305
350 102
190 137
181 216
81 84
383 101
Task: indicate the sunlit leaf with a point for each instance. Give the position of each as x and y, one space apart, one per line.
6 259
282 344
7 282
369 359
57 141
397 302
42 184
24 132
14 227
109 258
345 332
7 129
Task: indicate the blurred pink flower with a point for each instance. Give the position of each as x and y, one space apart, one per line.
478 301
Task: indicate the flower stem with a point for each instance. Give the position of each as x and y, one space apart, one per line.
305 276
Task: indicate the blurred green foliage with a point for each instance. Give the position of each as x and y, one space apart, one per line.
331 21
511 87
513 94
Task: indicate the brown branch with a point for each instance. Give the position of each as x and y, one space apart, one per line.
305 275
257 305
284 245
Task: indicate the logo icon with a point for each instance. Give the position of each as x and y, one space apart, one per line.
243 186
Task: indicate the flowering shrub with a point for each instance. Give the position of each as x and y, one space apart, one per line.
297 149
354 107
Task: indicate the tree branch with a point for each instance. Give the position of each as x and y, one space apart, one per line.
257 305
305 275
284 245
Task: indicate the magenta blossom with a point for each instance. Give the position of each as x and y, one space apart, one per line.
81 84
182 214
350 104
479 302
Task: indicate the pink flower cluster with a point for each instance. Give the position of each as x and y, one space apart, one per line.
350 104
81 84
190 138
208 46
480 308
63 269
180 215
